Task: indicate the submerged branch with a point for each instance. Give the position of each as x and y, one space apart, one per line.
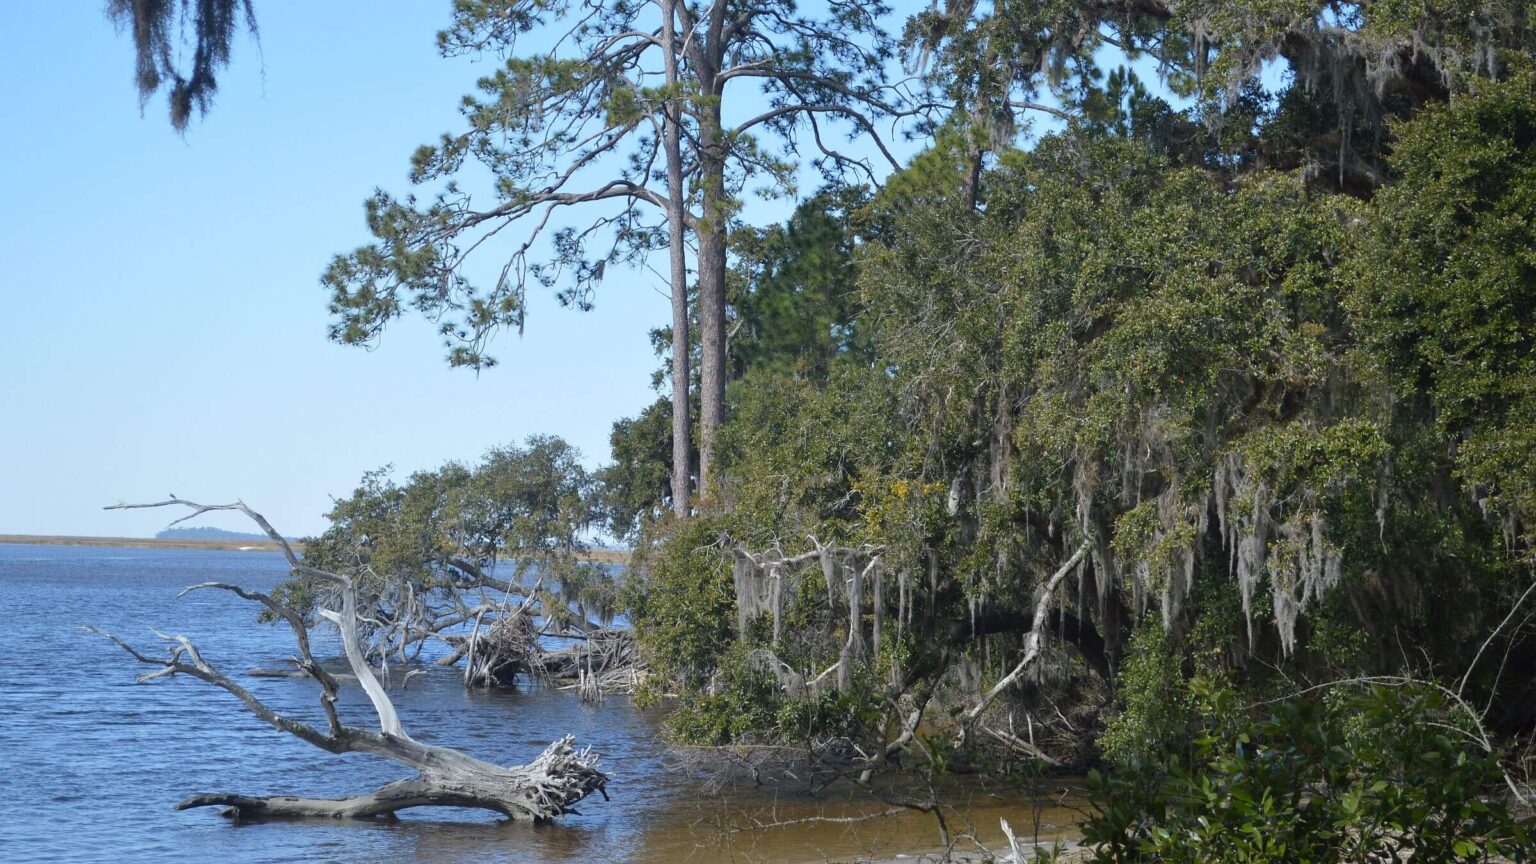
541 790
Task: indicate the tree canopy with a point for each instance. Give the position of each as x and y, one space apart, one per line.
1236 392
517 522
626 110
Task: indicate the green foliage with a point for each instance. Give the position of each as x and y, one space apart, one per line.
1446 277
1153 700
1111 325
744 700
797 450
1375 773
1354 67
795 313
637 484
1250 393
529 507
679 598
830 714
795 307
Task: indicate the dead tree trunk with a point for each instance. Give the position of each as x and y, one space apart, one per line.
545 788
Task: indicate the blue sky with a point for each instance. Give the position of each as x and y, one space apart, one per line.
163 329
163 326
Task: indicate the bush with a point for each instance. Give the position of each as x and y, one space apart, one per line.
1377 774
743 700
1152 700
680 598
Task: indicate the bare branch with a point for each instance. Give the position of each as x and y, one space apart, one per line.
1032 642
200 509
541 790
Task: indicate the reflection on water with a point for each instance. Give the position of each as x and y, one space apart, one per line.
735 827
93 762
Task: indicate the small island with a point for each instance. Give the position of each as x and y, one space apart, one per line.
209 534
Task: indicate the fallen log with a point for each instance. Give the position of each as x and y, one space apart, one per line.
541 790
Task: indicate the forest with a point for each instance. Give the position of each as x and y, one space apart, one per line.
1146 389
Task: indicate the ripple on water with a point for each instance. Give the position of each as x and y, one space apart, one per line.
92 761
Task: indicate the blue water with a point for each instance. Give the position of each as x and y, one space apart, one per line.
92 762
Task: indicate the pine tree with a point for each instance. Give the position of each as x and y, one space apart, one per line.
624 118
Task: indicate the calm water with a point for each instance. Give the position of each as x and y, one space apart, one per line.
92 762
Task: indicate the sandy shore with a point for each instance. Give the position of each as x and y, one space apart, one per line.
1072 854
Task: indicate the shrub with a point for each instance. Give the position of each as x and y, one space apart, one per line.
1372 774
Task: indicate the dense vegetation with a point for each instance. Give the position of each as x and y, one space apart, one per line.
466 546
1287 411
1259 369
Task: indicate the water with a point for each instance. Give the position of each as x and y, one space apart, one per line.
92 762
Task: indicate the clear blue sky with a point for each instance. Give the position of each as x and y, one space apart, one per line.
162 327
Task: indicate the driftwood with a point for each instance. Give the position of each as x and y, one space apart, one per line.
608 661
541 790
597 660
508 647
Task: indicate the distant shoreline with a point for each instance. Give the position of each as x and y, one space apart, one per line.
141 543
601 556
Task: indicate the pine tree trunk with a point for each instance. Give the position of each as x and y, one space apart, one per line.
712 324
711 231
681 426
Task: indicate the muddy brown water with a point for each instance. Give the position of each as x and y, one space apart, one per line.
92 762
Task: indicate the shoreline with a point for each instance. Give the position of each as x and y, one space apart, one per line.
1072 852
139 543
601 556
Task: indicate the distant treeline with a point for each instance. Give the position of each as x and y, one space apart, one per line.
203 533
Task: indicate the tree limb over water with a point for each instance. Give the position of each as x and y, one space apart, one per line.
541 790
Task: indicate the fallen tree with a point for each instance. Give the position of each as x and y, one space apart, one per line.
541 790
487 560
